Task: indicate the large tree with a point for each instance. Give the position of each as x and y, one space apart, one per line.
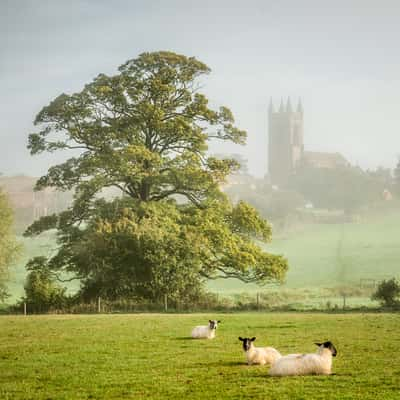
8 245
145 131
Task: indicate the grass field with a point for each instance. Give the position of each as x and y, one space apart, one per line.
329 255
320 256
151 357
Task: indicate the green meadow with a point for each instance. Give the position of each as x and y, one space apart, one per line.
151 356
323 258
326 256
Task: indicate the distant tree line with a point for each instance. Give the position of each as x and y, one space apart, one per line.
388 293
345 188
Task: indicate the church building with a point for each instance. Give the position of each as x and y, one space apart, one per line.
286 145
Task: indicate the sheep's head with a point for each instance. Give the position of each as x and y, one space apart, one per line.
247 342
212 323
328 345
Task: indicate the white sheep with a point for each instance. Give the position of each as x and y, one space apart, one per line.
319 363
259 355
205 331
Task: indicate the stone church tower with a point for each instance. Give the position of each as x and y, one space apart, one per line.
285 144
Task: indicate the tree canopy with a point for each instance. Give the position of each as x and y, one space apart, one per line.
8 246
347 187
388 293
145 131
42 292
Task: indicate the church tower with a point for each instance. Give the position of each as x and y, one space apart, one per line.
285 141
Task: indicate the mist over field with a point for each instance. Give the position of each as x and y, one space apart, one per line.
341 59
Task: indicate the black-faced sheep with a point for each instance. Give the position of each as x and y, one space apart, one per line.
259 355
319 363
205 331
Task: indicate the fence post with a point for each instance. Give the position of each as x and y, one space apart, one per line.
24 308
99 304
165 302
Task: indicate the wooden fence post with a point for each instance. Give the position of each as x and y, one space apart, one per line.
99 304
24 308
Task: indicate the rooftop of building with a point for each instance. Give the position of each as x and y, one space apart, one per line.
324 159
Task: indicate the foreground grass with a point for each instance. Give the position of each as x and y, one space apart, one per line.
152 357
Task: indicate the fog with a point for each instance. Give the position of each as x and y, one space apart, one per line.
341 58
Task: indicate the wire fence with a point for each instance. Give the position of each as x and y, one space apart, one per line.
328 300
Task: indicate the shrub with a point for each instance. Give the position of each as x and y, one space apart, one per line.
42 293
387 293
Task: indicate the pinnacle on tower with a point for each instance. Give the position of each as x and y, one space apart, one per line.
289 106
281 107
271 106
300 107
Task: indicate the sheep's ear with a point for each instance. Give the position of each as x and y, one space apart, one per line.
240 338
252 339
318 344
209 321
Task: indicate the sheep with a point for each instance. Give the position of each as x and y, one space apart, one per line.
205 331
319 363
259 355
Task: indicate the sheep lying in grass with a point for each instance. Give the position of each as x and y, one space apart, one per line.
259 355
205 331
319 363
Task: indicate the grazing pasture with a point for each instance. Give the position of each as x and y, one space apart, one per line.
326 255
153 357
323 258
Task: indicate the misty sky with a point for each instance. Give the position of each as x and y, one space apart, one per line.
341 57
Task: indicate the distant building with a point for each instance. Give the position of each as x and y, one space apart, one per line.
286 145
28 204
324 160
